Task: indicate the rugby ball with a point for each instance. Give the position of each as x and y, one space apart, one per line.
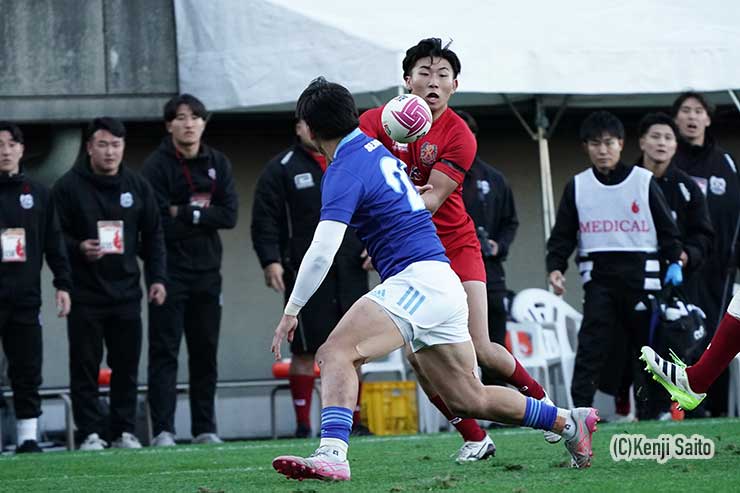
406 118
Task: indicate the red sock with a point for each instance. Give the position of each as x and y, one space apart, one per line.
724 346
622 402
468 427
301 389
525 383
356 418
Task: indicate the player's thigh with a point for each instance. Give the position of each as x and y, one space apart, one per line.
477 294
451 369
364 333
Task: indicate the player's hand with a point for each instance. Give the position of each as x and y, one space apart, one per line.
91 250
494 247
157 293
173 211
367 261
64 303
274 276
424 188
286 328
684 258
557 281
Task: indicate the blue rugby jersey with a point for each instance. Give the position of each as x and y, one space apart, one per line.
367 188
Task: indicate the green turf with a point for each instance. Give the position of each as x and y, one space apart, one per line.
524 462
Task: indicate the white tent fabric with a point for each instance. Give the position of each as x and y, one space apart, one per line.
246 53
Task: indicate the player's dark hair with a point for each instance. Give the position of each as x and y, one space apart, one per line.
429 48
656 119
708 107
112 125
599 123
468 118
13 130
195 105
328 109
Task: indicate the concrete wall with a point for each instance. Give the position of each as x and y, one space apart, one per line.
65 59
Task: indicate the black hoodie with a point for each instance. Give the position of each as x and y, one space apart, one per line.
82 199
27 204
192 246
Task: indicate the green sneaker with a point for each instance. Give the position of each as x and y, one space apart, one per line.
673 377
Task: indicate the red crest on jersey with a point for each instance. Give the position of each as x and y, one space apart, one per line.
428 153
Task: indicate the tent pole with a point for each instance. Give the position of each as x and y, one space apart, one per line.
548 203
734 99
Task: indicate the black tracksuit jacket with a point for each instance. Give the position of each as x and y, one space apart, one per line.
192 247
82 199
286 211
20 282
716 172
689 208
490 203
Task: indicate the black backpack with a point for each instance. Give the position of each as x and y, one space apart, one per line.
677 325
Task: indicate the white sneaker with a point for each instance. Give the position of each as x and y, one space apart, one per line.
209 438
93 442
164 439
550 437
126 440
474 451
319 465
628 418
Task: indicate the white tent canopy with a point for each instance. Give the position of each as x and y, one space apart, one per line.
260 54
247 53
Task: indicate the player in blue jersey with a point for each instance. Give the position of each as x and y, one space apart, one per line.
420 301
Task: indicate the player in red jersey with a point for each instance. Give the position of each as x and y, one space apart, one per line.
440 159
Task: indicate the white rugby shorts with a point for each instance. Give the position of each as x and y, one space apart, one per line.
427 303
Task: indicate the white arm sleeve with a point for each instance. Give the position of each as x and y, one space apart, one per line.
316 263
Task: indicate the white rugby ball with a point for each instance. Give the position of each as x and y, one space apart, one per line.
406 118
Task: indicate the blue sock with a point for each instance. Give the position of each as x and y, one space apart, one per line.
539 415
336 422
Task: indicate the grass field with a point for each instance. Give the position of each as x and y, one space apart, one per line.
524 462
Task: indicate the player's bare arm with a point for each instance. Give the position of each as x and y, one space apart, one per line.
442 187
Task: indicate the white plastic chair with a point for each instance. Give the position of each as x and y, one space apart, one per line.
550 311
394 362
545 351
733 396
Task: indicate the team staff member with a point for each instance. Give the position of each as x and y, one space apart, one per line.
619 219
658 142
29 231
109 217
196 195
715 172
490 203
286 209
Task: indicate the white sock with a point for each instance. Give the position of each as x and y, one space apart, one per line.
569 430
26 429
337 447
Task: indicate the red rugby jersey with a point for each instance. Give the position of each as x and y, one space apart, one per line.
450 148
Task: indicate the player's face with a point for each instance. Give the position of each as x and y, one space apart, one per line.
106 152
604 152
692 120
11 153
659 144
187 127
433 80
304 135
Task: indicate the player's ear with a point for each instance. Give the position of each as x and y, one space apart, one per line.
407 82
454 86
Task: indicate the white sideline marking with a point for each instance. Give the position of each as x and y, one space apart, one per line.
110 476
